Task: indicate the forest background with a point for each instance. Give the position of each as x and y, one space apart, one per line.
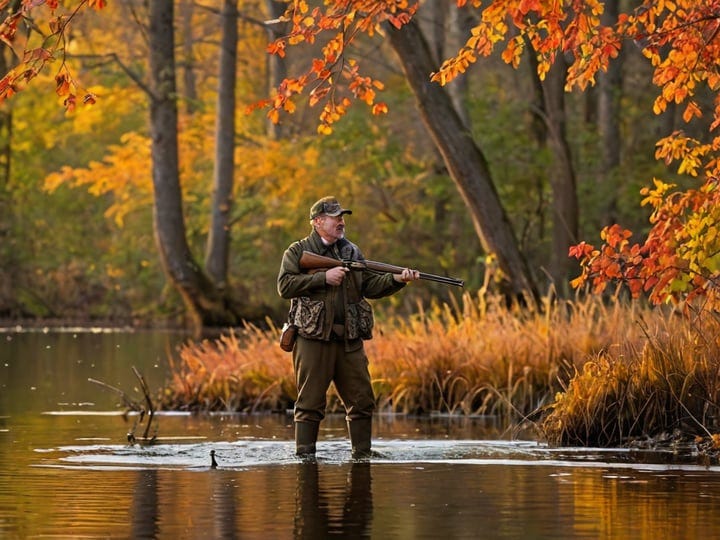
76 193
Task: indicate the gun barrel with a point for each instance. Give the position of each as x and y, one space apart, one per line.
313 261
393 269
442 279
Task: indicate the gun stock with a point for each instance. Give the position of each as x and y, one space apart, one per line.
312 261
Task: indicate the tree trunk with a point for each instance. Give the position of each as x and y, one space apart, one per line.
276 66
218 244
464 160
6 125
562 174
6 215
7 61
460 24
204 305
188 59
608 114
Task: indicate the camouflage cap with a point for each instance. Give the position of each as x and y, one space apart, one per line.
328 206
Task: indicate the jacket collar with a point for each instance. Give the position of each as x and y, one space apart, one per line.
319 246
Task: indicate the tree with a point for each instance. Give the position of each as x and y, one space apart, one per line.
218 243
207 302
562 172
463 158
5 130
609 115
206 305
678 259
189 77
465 161
276 69
681 256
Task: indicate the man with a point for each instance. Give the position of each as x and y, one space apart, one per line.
333 319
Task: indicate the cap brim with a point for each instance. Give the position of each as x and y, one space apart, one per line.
340 213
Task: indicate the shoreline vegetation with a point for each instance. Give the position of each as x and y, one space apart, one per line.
588 372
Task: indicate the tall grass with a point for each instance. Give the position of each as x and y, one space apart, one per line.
668 385
481 357
231 373
583 372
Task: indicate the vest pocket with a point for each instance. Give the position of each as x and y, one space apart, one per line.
309 316
359 320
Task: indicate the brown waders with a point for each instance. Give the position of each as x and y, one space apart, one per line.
306 434
360 437
317 364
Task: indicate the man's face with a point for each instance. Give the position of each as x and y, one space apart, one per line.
331 228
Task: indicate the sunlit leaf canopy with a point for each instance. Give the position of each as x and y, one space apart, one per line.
678 259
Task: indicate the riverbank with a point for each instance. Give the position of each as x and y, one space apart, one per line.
584 372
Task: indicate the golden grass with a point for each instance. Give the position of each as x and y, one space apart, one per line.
249 373
670 385
583 372
481 357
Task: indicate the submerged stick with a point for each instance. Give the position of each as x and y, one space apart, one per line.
133 405
148 401
127 400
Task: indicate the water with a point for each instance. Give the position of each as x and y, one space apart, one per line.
67 470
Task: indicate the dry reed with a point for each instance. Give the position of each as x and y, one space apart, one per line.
668 388
481 357
232 373
476 356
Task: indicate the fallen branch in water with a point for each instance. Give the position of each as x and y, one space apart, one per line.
132 405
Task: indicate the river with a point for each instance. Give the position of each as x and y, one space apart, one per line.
67 469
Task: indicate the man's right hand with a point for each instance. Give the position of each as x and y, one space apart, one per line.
334 276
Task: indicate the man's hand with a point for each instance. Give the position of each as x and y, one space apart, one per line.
407 275
334 276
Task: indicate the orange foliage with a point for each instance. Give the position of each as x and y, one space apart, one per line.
680 258
345 19
124 172
679 261
53 41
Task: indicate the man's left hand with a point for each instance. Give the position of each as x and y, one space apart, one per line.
407 275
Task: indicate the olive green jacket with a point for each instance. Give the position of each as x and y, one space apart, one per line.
316 305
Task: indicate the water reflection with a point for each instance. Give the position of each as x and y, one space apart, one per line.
316 503
66 469
224 506
144 511
210 510
418 489
330 499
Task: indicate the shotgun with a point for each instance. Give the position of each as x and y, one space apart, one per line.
313 261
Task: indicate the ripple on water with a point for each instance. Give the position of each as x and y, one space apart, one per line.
243 454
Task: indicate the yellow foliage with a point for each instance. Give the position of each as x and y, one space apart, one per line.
125 173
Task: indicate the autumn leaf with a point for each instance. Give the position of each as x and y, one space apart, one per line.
70 102
379 108
581 250
62 84
692 111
